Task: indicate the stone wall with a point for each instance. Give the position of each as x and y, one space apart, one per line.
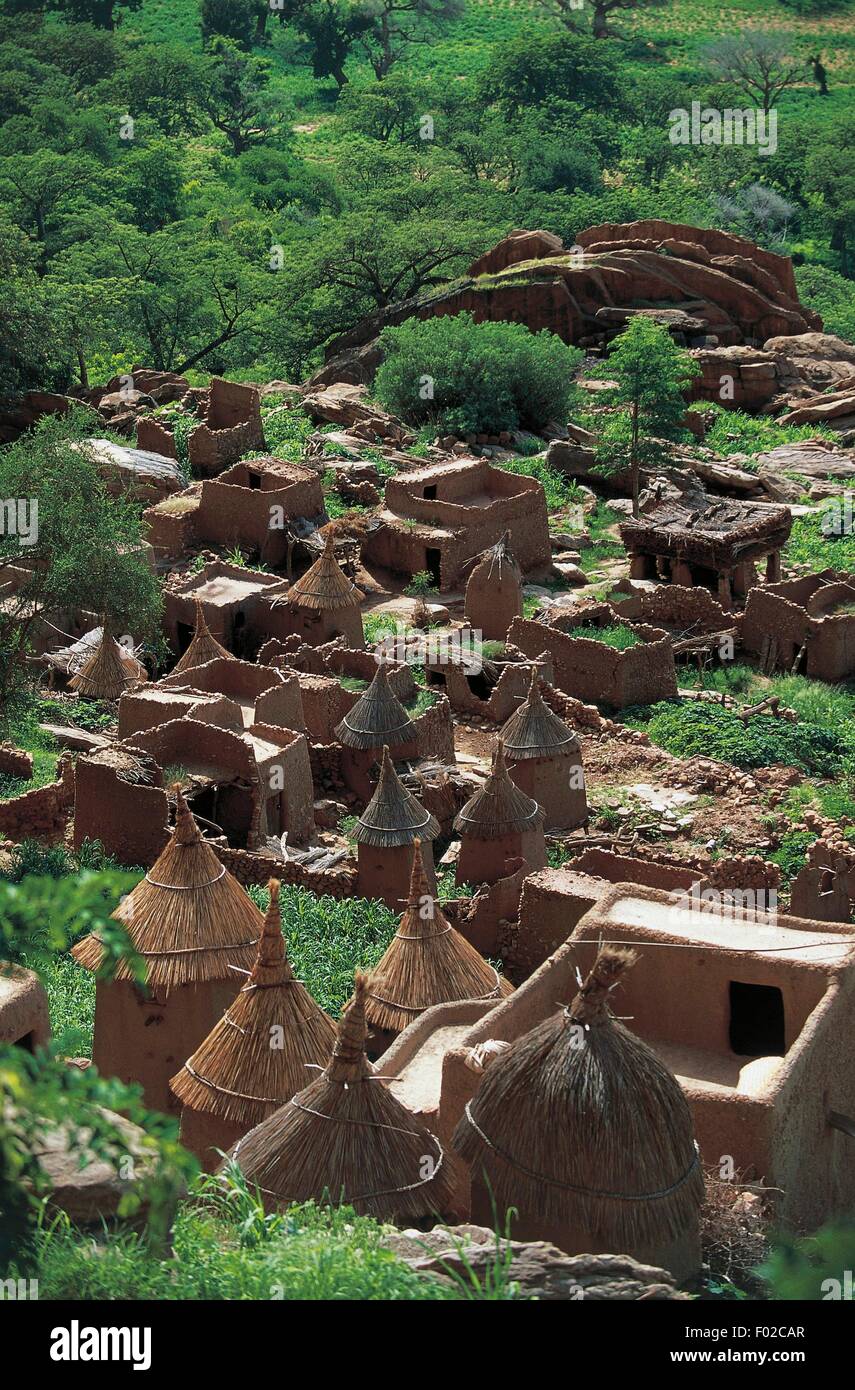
248 867
41 814
591 671
15 762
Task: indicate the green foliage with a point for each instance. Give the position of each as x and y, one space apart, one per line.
734 431
708 730
329 938
810 1268
616 635
420 584
467 377
831 295
809 546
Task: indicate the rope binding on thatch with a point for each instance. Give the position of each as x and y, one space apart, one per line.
498 808
378 717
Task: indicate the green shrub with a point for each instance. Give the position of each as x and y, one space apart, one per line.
707 730
468 377
616 635
831 295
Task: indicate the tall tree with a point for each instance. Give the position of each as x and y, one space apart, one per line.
238 97
759 62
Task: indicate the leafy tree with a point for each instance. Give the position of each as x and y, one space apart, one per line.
43 183
570 12
150 181
651 374
400 25
237 96
759 62
166 83
82 548
100 13
468 377
242 20
331 28
27 326
829 173
533 73
757 212
831 295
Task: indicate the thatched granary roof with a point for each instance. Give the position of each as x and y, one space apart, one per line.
345 1138
580 1122
500 556
325 586
256 1057
204 646
427 962
536 731
393 816
498 808
108 672
189 918
378 717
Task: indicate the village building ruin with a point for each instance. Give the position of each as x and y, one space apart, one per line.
592 670
323 604
190 921
230 427
804 626
437 518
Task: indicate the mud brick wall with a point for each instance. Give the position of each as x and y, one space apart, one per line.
591 671
435 732
247 868
15 762
673 606
41 814
325 760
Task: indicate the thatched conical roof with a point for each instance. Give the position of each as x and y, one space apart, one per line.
580 1122
345 1138
204 646
500 556
427 962
108 672
393 816
378 717
325 586
498 808
256 1057
536 731
189 918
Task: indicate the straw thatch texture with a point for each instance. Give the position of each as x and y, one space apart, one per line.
536 731
325 586
347 1139
204 646
498 808
256 1057
393 816
378 717
108 672
427 962
189 918
580 1123
501 556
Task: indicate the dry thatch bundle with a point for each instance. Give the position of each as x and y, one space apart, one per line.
109 671
378 717
535 731
189 918
498 808
393 816
500 556
325 586
204 646
345 1138
428 962
256 1057
582 1124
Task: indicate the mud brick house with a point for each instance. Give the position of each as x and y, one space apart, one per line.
439 517
224 691
752 1015
231 427
590 670
322 605
497 825
233 605
252 503
245 784
545 760
804 625
387 833
716 546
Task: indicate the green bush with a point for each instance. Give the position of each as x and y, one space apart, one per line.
707 730
616 635
831 295
468 377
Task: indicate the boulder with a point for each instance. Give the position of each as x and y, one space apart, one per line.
93 1191
344 404
147 476
24 1013
813 458
518 246
835 408
539 1270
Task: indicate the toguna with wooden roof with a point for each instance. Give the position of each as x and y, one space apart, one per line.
345 1138
427 962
